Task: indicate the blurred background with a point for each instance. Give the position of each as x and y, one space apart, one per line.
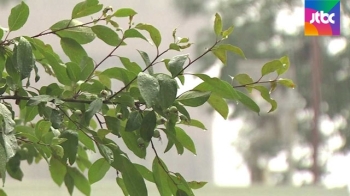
301 149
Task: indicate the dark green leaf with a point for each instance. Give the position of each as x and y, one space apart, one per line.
124 12
73 71
149 88
113 124
86 66
120 74
271 66
167 90
2 192
80 181
14 167
94 107
161 177
131 66
57 170
219 104
106 34
130 140
181 192
86 8
23 55
194 98
106 152
134 122
18 17
176 64
73 50
69 182
149 123
196 185
153 32
98 170
71 29
70 146
185 140
247 101
217 24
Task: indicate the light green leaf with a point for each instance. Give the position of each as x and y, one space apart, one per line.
124 12
176 64
120 74
221 54
286 82
70 146
185 140
227 32
220 87
182 185
149 88
133 33
247 101
134 121
217 24
42 128
271 66
161 177
231 48
98 170
264 92
167 90
73 72
146 173
106 34
194 98
23 55
285 62
149 123
196 123
80 181
86 8
2 192
87 66
219 104
131 66
18 16
106 152
196 185
73 50
71 29
57 170
40 99
121 184
243 79
145 58
174 46
94 107
153 32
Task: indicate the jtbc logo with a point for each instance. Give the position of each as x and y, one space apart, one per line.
324 17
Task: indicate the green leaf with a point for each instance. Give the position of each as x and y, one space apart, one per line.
14 167
94 107
231 48
98 170
71 29
153 32
146 173
243 79
86 141
2 192
221 54
106 152
36 100
30 113
57 170
227 32
194 98
3 160
247 101
86 8
134 122
219 104
87 66
42 128
285 62
69 182
145 58
73 50
176 64
185 140
131 66
264 92
271 66
80 181
121 184
130 140
133 180
149 123
113 124
220 87
196 185
120 74
124 12
106 34
133 33
70 146
23 55
217 24
182 185
174 46
286 82
161 177
196 123
149 88
167 90
18 16
73 72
